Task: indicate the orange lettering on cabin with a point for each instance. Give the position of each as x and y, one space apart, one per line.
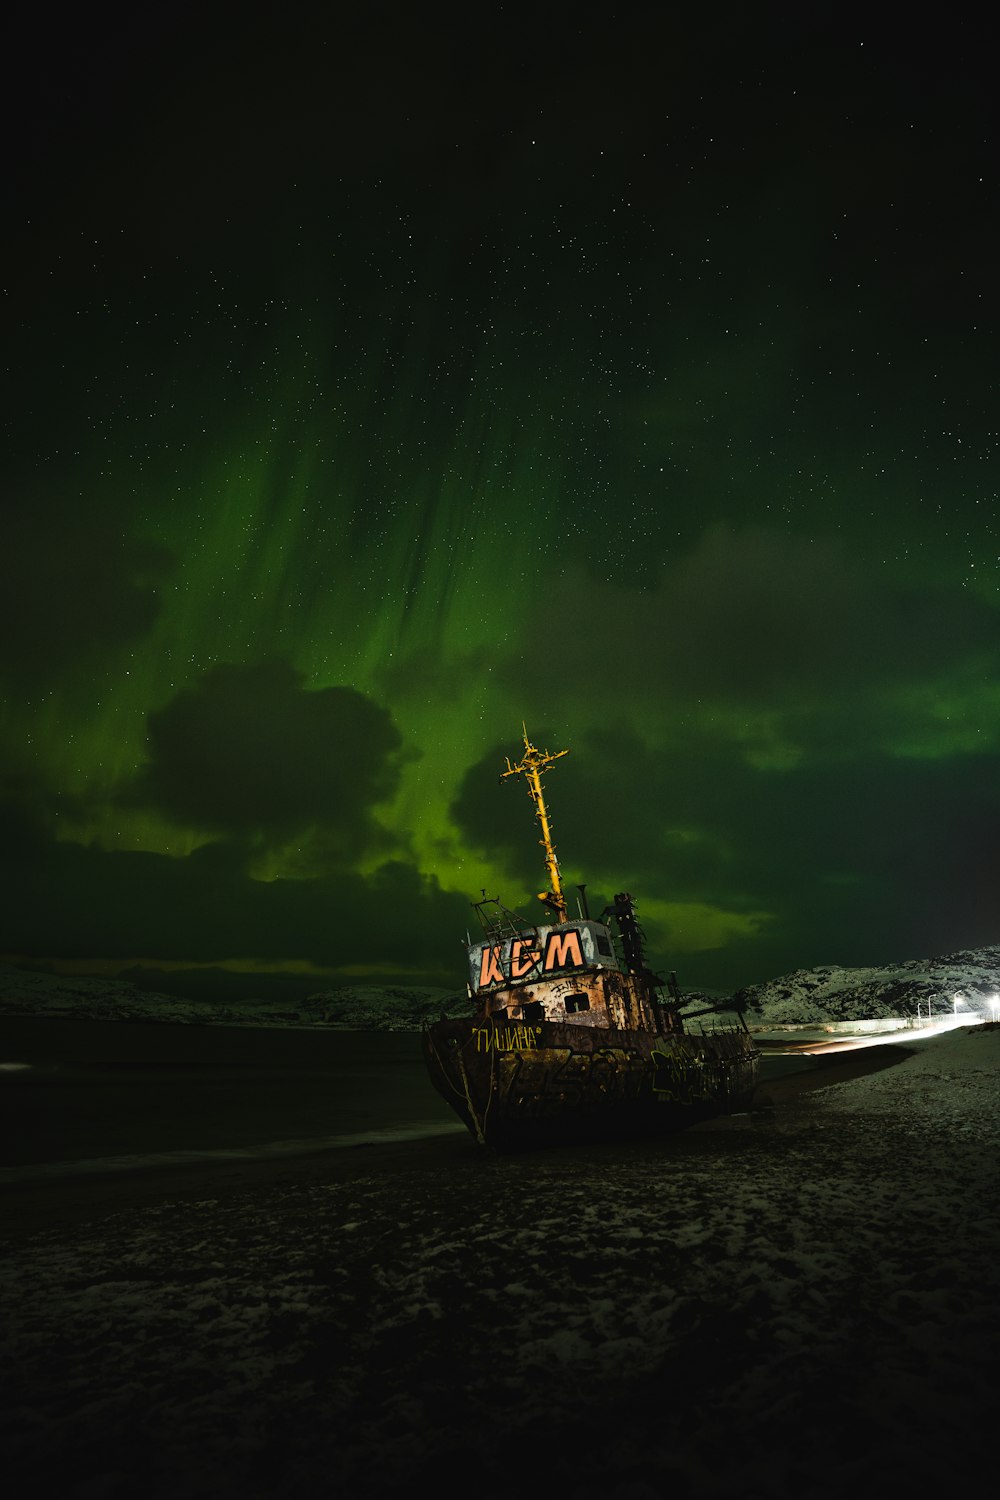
523 958
563 950
490 971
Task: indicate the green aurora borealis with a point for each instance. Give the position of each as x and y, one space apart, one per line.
374 384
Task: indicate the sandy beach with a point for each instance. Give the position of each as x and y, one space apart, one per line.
789 1302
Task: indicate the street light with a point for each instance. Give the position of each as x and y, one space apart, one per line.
994 1005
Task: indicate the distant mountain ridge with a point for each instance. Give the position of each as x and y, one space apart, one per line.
362 1007
827 993
833 993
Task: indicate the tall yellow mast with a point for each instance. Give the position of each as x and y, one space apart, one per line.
532 764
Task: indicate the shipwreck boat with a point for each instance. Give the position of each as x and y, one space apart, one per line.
572 1036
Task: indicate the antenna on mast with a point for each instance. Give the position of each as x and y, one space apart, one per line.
531 766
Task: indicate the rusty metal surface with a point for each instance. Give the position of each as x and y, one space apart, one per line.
623 1002
516 1084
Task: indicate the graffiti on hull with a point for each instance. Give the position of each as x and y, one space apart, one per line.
558 1077
506 1038
543 1080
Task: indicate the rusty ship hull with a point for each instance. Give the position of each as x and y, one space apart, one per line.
518 1086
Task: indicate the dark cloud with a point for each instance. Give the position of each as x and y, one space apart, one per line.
68 900
754 616
72 586
856 861
250 750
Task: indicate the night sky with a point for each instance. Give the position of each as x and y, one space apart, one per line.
376 380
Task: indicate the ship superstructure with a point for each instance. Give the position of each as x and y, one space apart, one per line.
572 1035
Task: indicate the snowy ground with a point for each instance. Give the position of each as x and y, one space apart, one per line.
799 1302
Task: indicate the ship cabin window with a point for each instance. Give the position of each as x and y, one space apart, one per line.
577 1002
499 1015
533 1011
604 945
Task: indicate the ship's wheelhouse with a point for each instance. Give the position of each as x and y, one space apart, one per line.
540 953
564 972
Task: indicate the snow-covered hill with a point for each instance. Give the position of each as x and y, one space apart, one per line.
368 1007
831 993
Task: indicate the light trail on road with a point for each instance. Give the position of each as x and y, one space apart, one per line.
817 1046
